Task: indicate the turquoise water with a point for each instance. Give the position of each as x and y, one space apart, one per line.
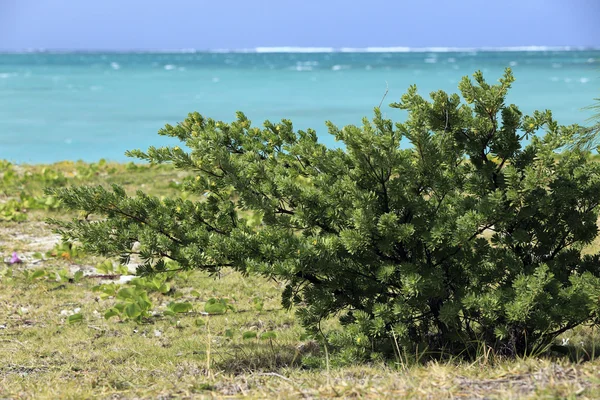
91 106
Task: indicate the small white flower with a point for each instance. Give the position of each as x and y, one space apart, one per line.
24 310
565 341
157 333
64 312
76 310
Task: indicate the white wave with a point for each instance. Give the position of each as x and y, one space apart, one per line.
384 50
584 80
567 80
308 63
590 60
216 79
451 59
305 65
221 51
68 141
555 79
430 60
293 49
339 67
169 67
513 63
115 65
440 49
5 75
528 48
286 49
352 50
556 65
394 49
302 68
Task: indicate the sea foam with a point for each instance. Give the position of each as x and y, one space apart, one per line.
401 49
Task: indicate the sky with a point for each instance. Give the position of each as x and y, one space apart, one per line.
241 24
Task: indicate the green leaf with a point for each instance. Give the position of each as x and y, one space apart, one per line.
78 275
249 335
258 304
38 273
71 319
164 288
122 270
180 307
215 306
270 335
111 313
133 311
126 294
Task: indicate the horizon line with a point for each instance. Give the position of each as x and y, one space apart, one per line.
301 49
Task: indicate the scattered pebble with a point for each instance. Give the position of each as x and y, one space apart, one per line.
68 313
126 278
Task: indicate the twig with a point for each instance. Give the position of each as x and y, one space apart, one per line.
104 276
274 374
293 383
13 341
96 328
387 89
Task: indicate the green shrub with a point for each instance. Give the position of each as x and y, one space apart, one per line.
470 236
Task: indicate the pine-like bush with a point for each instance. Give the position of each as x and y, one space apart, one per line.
471 232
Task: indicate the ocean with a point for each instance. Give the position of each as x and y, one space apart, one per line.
88 106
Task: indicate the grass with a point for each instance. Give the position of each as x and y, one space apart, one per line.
195 354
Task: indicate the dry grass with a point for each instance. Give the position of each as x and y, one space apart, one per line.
44 356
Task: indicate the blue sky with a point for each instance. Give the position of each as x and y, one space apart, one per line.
177 24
